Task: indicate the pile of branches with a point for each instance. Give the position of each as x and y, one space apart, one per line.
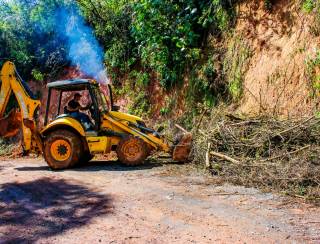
262 152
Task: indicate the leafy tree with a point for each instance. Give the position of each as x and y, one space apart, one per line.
111 21
158 36
165 38
27 35
170 33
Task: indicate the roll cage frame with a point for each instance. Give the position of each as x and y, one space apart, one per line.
77 85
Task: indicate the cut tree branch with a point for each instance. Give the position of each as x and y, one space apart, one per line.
225 157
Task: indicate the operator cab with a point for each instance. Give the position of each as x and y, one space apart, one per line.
89 89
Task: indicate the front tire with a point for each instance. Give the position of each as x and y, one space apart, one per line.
132 151
62 149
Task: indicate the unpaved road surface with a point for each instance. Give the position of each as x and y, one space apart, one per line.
156 203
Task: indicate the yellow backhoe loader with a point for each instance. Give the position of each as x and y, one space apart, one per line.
65 140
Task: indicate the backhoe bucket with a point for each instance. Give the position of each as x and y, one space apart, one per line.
10 124
182 150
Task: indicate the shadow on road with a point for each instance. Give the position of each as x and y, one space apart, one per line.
37 168
94 166
114 166
47 207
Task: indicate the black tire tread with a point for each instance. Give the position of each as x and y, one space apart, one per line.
76 146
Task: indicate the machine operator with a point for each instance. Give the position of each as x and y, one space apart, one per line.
74 107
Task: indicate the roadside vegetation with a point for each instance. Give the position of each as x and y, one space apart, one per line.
262 152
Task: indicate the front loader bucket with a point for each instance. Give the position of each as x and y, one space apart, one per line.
10 124
182 150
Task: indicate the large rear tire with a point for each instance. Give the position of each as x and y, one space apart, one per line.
132 151
62 149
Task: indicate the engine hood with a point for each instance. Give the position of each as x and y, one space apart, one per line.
124 116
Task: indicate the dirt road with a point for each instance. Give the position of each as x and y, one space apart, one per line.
156 203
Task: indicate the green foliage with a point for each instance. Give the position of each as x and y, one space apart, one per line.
111 21
158 38
313 6
235 64
206 83
169 35
317 115
142 79
216 13
163 37
164 111
125 90
141 105
37 75
309 5
170 103
20 41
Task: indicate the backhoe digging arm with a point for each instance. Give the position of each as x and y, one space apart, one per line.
12 83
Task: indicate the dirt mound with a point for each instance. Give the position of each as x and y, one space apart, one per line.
281 41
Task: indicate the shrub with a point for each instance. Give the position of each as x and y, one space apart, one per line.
140 106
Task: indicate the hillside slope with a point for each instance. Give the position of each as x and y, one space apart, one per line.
284 44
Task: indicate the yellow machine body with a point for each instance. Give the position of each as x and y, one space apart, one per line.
113 121
67 122
120 122
99 144
114 126
12 83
